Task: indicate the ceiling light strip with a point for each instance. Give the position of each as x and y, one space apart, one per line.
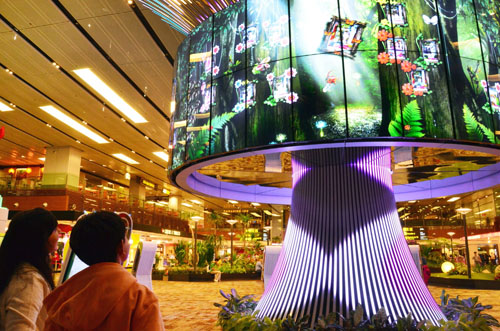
4 107
65 134
107 57
125 158
162 155
56 113
107 92
61 69
72 138
55 102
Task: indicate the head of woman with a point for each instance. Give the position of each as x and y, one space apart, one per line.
31 236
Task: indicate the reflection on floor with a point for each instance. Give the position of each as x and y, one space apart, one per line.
189 306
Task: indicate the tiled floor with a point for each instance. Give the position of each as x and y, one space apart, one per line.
189 306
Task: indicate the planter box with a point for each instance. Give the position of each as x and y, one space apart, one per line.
478 284
201 277
157 276
191 277
243 276
178 277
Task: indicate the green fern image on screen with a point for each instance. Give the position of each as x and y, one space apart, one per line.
411 125
476 130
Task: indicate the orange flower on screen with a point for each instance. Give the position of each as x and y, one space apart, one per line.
406 66
382 35
383 58
408 89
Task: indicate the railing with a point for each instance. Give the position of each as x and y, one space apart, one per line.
143 212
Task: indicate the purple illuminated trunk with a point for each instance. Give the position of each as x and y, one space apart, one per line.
344 243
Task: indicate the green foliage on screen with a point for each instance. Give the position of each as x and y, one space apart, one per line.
476 130
412 124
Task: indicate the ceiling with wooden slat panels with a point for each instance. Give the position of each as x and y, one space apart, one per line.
116 40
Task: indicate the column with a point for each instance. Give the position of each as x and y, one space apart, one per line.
62 168
137 190
173 202
344 244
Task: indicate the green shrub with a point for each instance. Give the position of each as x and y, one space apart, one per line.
238 314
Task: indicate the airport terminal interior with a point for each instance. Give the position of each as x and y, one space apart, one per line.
315 154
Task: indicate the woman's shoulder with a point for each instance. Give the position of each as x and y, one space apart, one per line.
28 274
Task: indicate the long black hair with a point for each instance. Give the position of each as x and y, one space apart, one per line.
26 242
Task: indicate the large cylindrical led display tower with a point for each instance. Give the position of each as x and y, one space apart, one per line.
346 87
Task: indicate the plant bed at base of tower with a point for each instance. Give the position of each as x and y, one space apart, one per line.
466 314
208 277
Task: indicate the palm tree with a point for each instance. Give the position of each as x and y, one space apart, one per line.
244 219
217 220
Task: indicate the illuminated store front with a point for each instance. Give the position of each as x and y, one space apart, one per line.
338 108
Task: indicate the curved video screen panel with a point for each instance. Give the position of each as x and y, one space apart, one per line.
265 72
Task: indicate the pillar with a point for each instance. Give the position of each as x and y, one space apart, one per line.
62 168
344 244
173 202
137 190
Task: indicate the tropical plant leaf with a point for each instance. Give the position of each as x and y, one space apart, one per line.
218 123
395 128
472 125
412 124
197 146
411 113
488 133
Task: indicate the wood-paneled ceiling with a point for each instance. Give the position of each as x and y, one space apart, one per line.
126 45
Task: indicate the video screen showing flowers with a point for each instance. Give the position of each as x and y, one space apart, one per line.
266 33
199 91
319 99
470 65
228 122
178 118
228 44
269 102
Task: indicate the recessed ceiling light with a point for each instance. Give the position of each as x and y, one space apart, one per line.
161 155
104 90
267 212
232 201
196 201
255 214
73 124
4 107
125 158
256 204
453 199
186 204
41 159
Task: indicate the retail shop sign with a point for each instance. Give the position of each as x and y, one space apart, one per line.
412 233
171 232
148 184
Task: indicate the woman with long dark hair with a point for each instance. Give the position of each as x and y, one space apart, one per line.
25 271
